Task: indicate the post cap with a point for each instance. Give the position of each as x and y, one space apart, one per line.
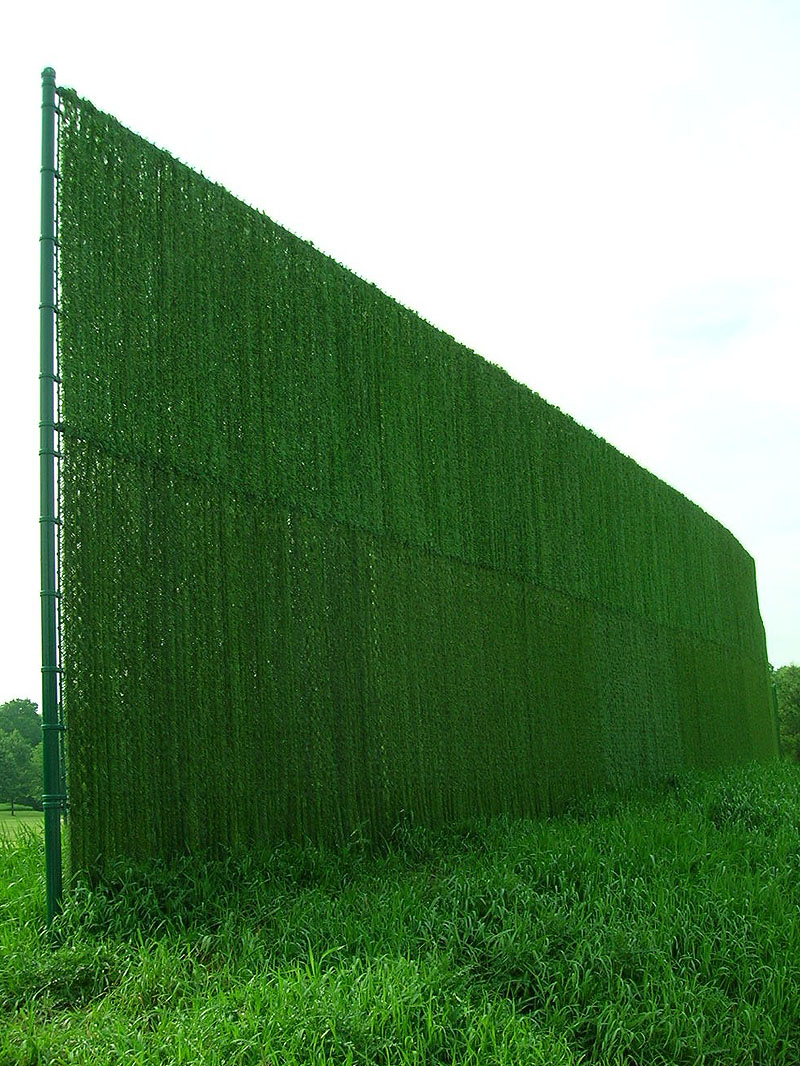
48 72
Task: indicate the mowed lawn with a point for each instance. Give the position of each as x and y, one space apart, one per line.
661 929
11 825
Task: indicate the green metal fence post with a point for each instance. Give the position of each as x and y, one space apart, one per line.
53 799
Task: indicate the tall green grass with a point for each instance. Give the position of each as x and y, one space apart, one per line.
654 929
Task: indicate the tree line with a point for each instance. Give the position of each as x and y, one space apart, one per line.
786 680
20 754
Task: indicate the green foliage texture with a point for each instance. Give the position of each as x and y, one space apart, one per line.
21 716
324 569
20 752
787 691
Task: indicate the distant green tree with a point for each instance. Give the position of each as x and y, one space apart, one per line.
19 760
20 753
787 683
34 796
21 716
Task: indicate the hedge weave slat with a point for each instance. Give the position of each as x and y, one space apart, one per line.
324 567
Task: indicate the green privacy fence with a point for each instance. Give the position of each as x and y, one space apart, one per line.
323 567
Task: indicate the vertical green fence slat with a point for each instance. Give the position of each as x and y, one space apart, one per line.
52 799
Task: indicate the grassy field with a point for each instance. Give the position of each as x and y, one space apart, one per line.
12 824
659 929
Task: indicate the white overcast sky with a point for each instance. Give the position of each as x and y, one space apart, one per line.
603 198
